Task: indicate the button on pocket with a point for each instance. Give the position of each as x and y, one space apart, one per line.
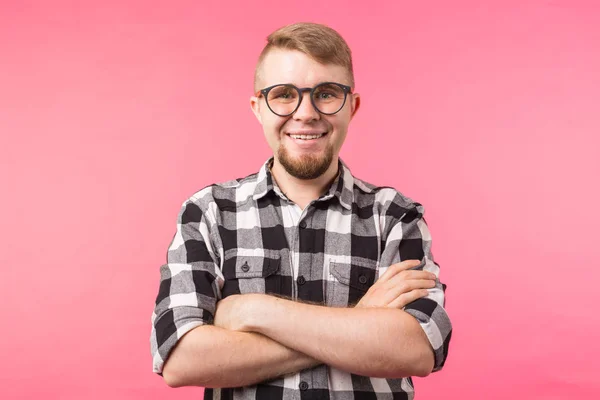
245 267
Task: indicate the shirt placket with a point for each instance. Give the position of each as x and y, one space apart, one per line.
295 214
304 232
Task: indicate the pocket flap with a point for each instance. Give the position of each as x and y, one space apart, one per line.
240 267
359 274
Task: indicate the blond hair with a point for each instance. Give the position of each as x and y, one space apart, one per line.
319 42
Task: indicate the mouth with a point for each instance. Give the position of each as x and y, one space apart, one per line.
306 136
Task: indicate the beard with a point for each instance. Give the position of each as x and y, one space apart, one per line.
308 166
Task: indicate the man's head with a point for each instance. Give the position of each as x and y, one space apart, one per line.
305 55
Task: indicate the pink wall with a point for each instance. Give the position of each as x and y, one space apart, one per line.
111 115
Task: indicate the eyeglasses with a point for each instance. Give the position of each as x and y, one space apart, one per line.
284 99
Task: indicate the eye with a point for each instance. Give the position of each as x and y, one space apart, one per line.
329 93
325 95
284 95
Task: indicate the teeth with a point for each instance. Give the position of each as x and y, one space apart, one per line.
306 137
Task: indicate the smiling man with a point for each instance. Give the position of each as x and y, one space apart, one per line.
300 281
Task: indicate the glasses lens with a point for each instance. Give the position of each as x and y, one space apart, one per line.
283 99
329 98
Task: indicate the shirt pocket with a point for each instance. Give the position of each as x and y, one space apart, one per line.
245 274
348 282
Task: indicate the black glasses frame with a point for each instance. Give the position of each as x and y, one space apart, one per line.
265 92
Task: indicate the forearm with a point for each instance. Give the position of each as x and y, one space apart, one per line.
376 342
210 356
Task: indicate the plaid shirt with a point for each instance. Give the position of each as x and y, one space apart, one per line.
245 236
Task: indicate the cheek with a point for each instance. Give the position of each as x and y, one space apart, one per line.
341 128
272 125
341 124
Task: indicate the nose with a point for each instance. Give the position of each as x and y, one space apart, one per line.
306 111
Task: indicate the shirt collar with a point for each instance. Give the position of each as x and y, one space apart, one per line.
342 187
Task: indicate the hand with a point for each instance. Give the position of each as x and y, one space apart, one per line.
230 312
399 286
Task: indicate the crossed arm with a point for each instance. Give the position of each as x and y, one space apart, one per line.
257 337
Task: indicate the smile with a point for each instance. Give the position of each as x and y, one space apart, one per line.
306 137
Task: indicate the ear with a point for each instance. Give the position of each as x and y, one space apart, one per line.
355 104
255 106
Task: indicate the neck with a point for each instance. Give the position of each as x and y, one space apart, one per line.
303 191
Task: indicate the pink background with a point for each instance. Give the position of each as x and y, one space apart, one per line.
113 113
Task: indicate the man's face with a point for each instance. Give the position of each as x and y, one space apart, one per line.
303 158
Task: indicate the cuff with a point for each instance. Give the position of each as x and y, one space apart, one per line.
436 324
169 327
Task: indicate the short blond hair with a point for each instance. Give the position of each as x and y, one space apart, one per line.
318 41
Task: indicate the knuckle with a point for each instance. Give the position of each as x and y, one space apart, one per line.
424 274
398 267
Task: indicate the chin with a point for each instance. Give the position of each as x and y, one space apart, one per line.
306 166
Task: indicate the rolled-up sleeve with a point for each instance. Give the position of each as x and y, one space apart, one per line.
190 284
408 238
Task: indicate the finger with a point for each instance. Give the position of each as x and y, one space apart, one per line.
413 274
407 298
388 293
397 268
409 285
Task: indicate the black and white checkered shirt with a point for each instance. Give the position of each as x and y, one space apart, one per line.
245 236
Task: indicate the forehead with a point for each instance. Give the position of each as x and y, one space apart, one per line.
292 66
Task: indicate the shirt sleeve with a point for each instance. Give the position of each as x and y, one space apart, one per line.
190 284
409 239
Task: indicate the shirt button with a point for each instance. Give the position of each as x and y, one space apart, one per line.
362 279
303 386
245 267
301 280
303 224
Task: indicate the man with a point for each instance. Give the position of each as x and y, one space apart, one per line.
300 281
